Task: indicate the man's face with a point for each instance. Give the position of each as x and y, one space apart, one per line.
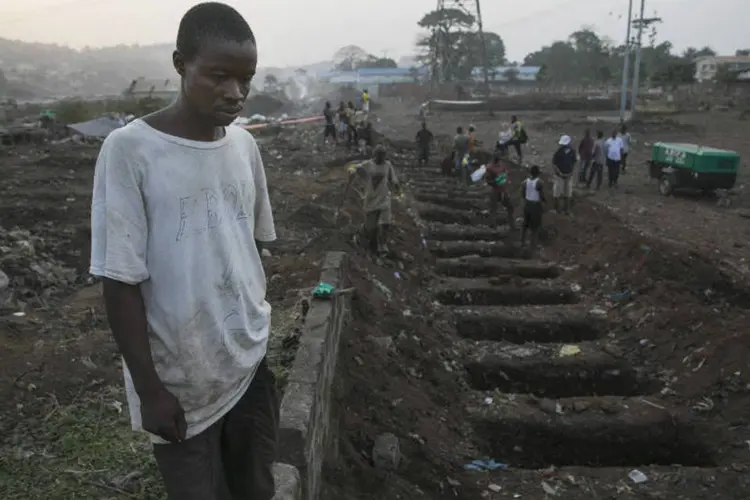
379 157
216 82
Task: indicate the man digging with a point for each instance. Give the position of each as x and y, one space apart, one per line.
380 179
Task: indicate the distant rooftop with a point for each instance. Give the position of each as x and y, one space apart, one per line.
726 59
374 72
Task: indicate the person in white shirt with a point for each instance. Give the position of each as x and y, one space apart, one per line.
627 140
614 158
179 216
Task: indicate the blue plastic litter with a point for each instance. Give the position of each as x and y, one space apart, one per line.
485 465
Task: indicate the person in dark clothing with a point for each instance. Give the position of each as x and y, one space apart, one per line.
598 160
351 131
586 153
365 138
330 127
564 162
532 191
424 140
496 176
343 120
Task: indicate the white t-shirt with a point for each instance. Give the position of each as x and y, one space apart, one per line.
614 148
180 217
532 190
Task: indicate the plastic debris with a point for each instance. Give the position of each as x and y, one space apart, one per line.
485 465
637 476
569 350
550 490
323 290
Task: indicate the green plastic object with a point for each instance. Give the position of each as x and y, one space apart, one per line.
698 159
323 290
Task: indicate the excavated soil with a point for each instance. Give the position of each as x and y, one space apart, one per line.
609 355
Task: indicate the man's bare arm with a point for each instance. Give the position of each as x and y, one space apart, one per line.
127 320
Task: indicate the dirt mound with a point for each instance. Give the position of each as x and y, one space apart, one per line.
264 104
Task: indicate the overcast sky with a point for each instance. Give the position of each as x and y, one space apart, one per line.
295 32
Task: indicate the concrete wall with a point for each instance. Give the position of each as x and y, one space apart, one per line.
307 433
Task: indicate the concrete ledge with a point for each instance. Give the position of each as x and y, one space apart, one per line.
288 483
307 427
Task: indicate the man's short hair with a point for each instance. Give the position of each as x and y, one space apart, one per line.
211 21
535 170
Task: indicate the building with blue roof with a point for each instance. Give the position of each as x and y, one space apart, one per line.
374 76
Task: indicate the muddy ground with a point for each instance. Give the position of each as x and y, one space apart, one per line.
668 272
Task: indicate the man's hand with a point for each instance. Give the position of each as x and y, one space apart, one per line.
162 414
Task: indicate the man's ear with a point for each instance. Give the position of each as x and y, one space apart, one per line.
178 61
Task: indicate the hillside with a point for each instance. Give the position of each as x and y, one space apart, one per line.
35 70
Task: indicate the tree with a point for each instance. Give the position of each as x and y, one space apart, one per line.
726 75
678 71
511 74
691 53
378 62
558 61
270 82
453 48
350 57
742 52
585 57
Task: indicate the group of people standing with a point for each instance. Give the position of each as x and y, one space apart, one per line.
593 155
353 124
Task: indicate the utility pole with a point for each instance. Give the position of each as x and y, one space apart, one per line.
485 62
641 23
626 65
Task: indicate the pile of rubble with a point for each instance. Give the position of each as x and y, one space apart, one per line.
29 272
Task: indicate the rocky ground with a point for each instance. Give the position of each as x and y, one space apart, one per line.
629 325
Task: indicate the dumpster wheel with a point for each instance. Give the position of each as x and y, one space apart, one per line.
666 184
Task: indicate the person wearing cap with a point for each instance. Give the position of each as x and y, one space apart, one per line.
380 180
563 162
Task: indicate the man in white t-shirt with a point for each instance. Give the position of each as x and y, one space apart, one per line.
179 215
613 148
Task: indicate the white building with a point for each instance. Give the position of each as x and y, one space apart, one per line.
707 66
